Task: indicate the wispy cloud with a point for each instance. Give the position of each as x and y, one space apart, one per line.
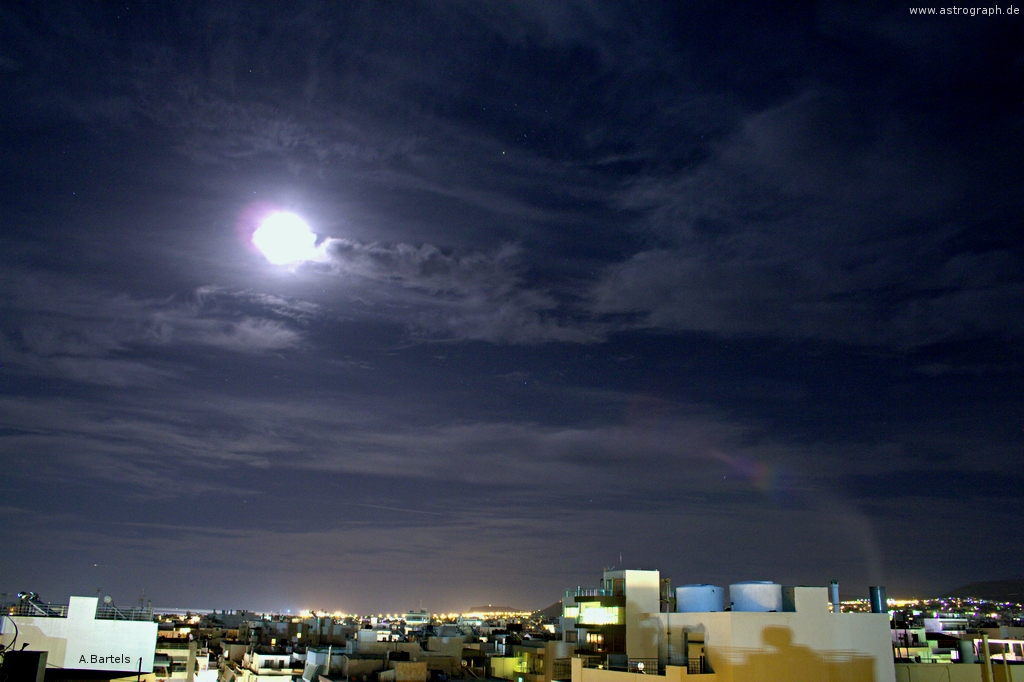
449 295
60 328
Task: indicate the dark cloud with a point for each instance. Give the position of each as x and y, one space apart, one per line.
928 483
809 223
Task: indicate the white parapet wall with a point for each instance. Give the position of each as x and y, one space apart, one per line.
80 641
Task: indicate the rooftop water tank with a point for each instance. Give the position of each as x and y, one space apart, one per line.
699 598
879 604
756 595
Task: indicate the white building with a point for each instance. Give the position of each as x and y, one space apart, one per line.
83 635
417 619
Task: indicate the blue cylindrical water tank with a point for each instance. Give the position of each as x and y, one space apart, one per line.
879 604
756 595
699 598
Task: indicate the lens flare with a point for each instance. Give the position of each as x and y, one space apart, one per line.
285 239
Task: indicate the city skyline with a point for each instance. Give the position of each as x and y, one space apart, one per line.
734 293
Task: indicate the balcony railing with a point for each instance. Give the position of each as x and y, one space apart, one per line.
648 666
562 669
589 592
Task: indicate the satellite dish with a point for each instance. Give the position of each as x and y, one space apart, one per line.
465 663
640 666
107 599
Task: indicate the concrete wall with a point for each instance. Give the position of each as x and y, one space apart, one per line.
80 642
382 648
318 657
951 672
258 663
357 667
447 646
410 671
672 674
233 651
434 661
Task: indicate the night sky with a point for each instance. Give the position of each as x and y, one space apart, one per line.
731 292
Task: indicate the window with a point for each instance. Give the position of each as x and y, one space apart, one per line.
592 613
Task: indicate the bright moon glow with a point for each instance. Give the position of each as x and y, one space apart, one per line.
285 238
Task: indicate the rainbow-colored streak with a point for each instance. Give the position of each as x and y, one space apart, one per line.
770 479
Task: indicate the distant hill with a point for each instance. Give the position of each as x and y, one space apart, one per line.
493 609
1011 590
553 611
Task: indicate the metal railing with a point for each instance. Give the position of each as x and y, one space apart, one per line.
37 609
590 592
561 669
111 612
32 608
648 666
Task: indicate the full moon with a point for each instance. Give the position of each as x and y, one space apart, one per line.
285 239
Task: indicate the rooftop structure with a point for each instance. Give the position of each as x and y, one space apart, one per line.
768 632
83 635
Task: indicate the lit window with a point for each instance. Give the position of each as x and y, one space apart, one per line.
592 613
